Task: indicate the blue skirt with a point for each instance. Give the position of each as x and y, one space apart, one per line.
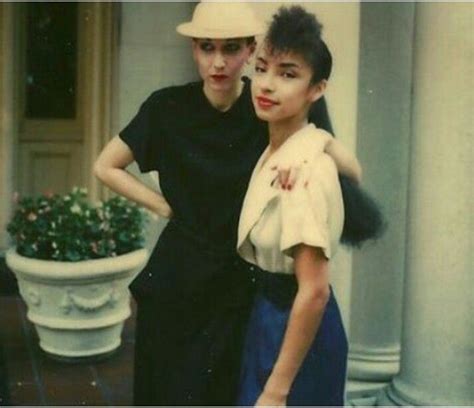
321 378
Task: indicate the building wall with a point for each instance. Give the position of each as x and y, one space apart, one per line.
8 126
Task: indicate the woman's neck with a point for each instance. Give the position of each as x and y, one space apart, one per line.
279 132
223 100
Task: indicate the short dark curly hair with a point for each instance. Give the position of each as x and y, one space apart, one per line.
293 29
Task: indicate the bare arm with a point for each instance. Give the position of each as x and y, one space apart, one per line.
311 268
110 169
346 162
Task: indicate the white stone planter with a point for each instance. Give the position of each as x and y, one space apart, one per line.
78 308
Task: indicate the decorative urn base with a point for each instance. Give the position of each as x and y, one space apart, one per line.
78 308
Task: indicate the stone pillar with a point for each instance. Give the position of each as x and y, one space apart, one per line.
383 139
437 366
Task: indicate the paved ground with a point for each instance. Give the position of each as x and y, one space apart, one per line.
33 378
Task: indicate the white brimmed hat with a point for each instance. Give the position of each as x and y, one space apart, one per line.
222 20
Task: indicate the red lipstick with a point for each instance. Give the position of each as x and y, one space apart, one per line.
265 103
219 77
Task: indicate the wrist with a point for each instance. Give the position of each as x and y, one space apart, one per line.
165 212
160 207
155 208
277 386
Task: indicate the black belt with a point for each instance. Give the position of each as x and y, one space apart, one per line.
202 242
279 288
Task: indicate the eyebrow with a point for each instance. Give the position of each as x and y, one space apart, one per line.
281 64
288 65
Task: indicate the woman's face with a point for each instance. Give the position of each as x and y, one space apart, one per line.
281 86
220 62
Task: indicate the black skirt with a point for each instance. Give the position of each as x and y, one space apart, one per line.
193 304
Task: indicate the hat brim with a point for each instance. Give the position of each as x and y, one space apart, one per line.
190 30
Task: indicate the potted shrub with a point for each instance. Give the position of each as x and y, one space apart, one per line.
73 262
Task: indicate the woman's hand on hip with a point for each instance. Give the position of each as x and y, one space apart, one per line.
110 168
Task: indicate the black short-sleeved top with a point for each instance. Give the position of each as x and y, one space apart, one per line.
204 158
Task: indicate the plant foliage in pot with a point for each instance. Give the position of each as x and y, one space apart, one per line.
73 262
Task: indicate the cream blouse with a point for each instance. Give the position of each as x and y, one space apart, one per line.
273 220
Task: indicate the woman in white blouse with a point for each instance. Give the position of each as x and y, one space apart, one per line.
296 347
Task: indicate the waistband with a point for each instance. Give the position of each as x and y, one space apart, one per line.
200 241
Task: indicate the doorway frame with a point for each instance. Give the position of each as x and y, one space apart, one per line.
100 67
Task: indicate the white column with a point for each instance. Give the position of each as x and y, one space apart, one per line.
437 366
384 109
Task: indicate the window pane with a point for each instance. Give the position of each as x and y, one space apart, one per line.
51 60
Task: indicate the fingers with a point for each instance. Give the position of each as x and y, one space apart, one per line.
283 177
293 177
288 177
